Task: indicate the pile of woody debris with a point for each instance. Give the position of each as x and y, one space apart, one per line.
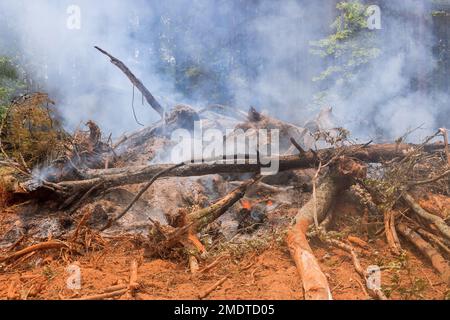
90 189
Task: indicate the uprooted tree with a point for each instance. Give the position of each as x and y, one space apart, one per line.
83 166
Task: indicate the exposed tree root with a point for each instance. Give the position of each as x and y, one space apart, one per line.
376 292
438 262
207 292
139 195
53 244
315 283
431 218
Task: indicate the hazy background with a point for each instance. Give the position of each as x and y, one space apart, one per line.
235 52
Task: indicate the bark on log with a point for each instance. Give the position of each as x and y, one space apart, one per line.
315 283
136 82
198 220
440 224
139 174
204 217
438 262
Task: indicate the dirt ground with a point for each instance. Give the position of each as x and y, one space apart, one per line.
264 272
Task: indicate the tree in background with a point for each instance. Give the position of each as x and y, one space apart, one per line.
10 83
350 48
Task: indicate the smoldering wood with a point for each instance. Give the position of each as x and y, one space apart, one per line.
194 222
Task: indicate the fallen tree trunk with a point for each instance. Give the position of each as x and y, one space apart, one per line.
139 174
436 259
315 283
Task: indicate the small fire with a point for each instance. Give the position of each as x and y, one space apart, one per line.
246 204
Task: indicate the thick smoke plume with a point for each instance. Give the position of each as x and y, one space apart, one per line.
244 53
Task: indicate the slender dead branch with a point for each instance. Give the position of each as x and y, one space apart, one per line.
297 146
82 222
376 292
139 195
213 264
431 180
107 295
136 82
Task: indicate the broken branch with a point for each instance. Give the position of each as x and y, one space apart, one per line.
54 244
431 218
438 262
136 82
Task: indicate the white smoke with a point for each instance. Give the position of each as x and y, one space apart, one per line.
258 50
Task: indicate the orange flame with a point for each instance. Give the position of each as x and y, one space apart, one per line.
246 204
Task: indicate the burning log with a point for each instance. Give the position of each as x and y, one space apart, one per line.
136 82
138 174
192 223
315 283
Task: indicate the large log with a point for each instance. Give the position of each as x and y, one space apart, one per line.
115 177
314 281
139 174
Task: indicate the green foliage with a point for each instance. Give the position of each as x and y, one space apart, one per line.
31 126
10 83
350 47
